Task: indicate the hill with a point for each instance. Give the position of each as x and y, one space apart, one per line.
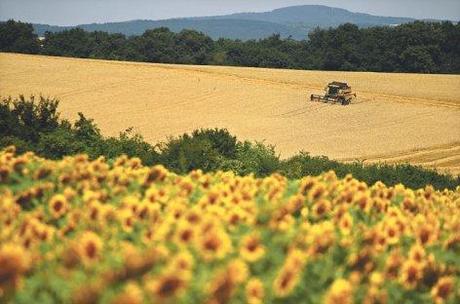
391 121
294 21
317 15
215 28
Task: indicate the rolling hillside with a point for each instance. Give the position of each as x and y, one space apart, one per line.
215 28
294 21
317 15
393 120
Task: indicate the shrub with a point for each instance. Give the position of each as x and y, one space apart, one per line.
187 153
257 158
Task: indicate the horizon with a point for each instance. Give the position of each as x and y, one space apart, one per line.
23 10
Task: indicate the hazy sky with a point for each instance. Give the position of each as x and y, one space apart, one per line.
72 12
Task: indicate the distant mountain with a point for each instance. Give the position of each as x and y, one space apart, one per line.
294 21
317 15
215 28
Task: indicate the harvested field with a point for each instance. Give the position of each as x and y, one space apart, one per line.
397 118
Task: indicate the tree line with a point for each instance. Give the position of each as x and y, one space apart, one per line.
423 47
34 124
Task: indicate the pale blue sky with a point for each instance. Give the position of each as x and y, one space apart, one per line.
72 12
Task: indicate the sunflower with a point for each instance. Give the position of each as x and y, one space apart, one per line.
152 195
391 231
235 216
71 255
362 261
95 211
186 187
286 281
296 259
376 279
304 212
364 201
306 184
90 247
411 274
214 244
220 289
442 290
254 291
237 271
14 262
155 175
417 253
321 208
341 292
58 205
86 293
346 224
426 233
375 295
69 193
193 216
320 237
182 262
127 219
167 286
251 248
393 264
317 192
184 234
4 173
131 294
295 203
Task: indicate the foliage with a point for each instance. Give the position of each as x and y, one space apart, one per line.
96 231
18 37
415 177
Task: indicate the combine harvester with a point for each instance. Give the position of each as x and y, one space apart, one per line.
336 92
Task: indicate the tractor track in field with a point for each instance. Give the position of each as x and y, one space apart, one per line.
444 157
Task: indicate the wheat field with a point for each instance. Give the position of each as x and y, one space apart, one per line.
411 118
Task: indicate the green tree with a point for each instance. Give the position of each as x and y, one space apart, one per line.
418 59
73 43
18 37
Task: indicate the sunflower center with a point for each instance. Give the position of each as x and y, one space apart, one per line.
186 235
252 245
168 287
58 206
212 244
91 250
444 290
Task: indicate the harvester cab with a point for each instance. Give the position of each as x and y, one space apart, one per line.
336 92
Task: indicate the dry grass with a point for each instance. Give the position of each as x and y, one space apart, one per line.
397 117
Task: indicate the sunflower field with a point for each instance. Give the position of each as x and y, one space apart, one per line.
115 231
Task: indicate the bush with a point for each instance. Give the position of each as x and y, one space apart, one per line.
130 144
258 159
188 153
412 176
